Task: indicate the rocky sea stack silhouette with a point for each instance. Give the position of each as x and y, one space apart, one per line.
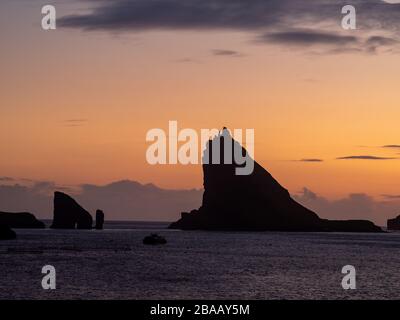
68 214
255 202
99 220
20 220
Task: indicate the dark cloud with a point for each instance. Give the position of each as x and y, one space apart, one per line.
391 146
267 20
310 80
20 198
187 60
130 200
310 160
376 42
308 38
123 200
76 120
177 14
306 195
391 196
229 53
339 43
6 179
353 206
364 158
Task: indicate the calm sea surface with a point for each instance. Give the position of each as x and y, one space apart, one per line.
114 264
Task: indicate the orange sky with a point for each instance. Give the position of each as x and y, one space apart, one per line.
301 105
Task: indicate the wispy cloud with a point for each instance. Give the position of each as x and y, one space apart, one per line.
329 41
391 196
392 146
75 122
187 60
310 160
365 158
377 42
227 53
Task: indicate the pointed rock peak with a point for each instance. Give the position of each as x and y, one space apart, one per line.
226 132
60 195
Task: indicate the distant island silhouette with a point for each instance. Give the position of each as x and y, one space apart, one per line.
255 202
20 220
394 224
17 220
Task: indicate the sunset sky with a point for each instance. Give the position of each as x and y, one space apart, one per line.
77 102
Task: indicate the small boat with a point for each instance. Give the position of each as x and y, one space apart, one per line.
154 239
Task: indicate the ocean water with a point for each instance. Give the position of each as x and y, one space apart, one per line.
114 264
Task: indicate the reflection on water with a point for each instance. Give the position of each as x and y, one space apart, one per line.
114 264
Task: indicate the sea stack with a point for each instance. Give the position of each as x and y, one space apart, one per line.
394 224
254 202
20 220
68 214
99 220
6 233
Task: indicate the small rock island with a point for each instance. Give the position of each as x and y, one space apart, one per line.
99 220
68 214
255 202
